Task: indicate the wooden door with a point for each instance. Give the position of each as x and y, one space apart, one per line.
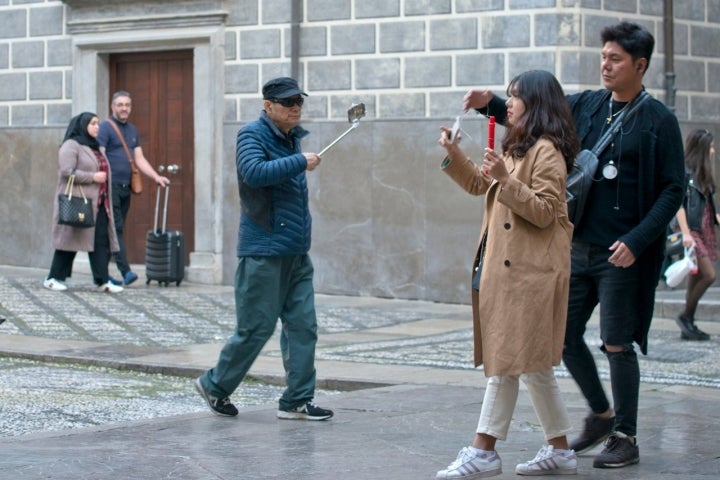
161 87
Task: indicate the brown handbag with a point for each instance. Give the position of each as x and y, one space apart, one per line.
136 182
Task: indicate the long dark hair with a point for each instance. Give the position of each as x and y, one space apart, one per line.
697 159
546 115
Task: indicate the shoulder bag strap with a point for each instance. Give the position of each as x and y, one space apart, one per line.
122 140
608 136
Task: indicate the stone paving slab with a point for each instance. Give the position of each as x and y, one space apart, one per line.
409 428
399 432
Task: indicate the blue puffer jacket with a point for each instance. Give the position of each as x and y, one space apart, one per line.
275 218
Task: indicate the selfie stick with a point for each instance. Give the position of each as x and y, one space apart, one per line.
355 113
352 127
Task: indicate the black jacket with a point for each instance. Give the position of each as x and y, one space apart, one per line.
660 189
694 204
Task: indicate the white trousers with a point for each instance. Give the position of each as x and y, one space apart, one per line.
501 396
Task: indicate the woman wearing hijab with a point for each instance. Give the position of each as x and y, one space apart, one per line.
80 156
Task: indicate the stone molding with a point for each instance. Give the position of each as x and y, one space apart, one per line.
84 16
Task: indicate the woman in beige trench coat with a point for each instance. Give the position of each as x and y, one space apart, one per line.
520 310
80 156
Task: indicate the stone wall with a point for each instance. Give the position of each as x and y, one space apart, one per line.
35 64
409 59
387 222
404 59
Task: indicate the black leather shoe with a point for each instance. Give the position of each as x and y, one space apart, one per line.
596 430
686 330
693 336
699 333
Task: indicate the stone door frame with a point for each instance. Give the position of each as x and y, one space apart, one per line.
90 92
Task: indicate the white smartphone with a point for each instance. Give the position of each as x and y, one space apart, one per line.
455 129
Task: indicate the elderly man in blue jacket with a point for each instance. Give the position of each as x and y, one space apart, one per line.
274 277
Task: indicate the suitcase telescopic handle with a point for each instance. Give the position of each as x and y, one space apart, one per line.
157 209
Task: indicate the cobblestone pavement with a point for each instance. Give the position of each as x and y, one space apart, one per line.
41 396
163 317
352 329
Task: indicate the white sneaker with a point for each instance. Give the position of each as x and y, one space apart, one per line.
469 465
549 462
110 287
52 284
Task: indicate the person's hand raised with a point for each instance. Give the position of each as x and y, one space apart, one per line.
445 139
476 99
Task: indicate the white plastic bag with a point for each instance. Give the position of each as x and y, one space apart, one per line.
677 271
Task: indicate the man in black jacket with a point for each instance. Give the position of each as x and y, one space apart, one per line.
618 245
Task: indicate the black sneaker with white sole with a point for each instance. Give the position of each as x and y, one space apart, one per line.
595 431
308 411
219 406
620 451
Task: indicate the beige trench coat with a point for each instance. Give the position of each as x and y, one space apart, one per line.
73 156
520 312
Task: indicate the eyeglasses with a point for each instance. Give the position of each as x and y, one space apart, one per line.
289 102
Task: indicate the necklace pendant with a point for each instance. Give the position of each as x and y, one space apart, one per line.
608 120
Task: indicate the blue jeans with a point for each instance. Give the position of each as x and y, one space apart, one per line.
594 280
268 288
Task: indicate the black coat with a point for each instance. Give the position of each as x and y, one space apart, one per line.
660 189
694 204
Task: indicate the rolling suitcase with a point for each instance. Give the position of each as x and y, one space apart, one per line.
164 250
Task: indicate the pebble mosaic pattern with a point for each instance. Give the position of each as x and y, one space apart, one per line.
167 317
38 396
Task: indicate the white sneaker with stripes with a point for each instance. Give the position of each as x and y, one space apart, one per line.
549 461
469 465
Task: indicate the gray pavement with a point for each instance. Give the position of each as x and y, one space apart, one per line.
397 373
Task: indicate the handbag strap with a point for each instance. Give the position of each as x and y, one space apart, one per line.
608 136
69 187
122 139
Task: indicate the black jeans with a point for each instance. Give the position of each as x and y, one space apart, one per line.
595 280
121 196
62 262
